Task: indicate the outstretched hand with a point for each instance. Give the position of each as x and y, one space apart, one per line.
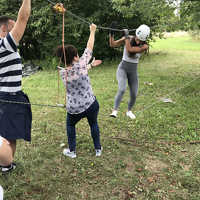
96 62
93 27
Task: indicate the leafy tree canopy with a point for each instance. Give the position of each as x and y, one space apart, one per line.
190 14
44 30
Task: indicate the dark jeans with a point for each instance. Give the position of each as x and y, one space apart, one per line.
91 113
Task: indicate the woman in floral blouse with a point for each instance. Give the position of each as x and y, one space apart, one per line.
81 101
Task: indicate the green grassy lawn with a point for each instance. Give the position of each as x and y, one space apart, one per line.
155 157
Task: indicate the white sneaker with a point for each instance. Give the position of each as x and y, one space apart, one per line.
99 151
114 113
69 153
130 114
1 193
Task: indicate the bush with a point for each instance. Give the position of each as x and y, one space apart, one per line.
195 34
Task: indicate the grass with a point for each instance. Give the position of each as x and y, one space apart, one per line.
155 157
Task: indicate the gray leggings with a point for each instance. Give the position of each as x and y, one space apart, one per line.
126 71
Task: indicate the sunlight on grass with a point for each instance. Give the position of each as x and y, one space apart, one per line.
185 43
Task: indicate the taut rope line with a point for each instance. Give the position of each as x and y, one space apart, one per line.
33 104
63 106
172 92
87 22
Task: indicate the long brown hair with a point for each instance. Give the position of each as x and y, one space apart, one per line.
133 43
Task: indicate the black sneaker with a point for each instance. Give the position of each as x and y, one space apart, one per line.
8 168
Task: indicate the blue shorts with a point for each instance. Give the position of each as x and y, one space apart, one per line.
15 118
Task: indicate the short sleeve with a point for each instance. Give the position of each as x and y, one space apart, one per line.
86 57
9 43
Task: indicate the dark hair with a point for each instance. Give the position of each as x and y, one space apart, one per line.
4 20
134 44
70 53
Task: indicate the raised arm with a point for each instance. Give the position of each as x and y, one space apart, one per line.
112 41
90 43
22 19
115 43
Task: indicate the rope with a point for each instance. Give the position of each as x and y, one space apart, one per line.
33 104
151 105
98 27
64 54
87 22
61 105
141 143
63 45
51 2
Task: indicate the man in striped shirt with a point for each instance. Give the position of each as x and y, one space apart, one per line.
15 109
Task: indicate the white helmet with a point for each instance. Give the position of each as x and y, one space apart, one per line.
143 32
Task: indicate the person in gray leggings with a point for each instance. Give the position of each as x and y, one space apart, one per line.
127 69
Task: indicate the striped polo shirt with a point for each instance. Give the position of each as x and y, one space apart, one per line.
10 65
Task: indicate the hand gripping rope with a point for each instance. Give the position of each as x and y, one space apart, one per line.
83 20
60 9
